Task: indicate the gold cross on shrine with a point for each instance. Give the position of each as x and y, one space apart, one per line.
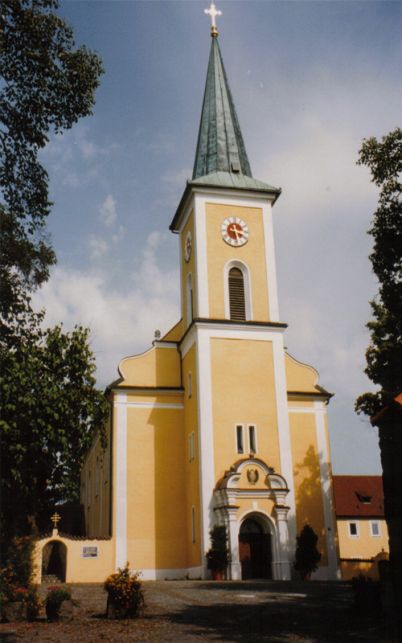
213 12
55 519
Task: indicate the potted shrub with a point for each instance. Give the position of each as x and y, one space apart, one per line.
218 554
55 597
125 596
307 554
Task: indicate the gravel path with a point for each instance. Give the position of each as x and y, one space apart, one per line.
182 611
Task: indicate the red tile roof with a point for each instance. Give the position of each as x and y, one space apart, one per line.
359 496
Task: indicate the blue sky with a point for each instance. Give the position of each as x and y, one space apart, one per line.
310 80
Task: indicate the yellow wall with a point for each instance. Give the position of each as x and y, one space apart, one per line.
306 469
364 545
95 489
79 569
157 367
299 376
249 398
252 254
155 487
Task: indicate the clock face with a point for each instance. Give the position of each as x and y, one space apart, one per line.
187 247
234 231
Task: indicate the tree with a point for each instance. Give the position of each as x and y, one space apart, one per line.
47 85
51 412
307 554
218 554
384 354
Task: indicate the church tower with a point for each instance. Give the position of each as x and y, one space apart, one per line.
216 424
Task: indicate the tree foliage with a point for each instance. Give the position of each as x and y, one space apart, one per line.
384 354
47 85
51 411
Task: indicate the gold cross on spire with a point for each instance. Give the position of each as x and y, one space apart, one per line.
213 12
55 519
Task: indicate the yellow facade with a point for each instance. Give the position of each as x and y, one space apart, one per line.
361 553
216 425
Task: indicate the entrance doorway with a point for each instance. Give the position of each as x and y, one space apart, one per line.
255 550
54 560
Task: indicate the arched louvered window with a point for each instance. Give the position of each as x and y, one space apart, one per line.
237 300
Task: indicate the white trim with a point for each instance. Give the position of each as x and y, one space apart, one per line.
285 447
121 480
171 574
153 391
188 341
205 442
200 257
303 409
325 475
243 267
270 263
161 344
150 405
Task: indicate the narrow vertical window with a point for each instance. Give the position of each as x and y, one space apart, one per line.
252 439
375 528
190 385
237 303
189 292
353 530
239 438
193 524
191 446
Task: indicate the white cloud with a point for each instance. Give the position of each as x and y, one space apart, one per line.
108 211
98 247
122 323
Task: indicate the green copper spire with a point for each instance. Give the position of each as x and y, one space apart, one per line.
220 146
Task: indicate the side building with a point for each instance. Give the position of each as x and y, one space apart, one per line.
216 424
362 530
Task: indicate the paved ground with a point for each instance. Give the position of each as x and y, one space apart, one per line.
251 611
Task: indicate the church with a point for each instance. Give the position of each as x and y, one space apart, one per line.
216 424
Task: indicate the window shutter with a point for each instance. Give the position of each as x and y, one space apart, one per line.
236 295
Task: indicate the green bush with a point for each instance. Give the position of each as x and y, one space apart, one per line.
218 555
307 554
125 595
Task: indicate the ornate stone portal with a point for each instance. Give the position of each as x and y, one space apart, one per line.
252 489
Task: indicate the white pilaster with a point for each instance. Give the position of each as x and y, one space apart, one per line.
206 445
283 563
324 459
121 479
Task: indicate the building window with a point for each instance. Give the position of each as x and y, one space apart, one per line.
193 524
239 438
252 439
189 293
353 529
190 385
237 300
191 447
375 528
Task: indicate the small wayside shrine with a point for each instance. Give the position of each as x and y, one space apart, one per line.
216 424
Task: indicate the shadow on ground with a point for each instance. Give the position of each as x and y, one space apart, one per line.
254 611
